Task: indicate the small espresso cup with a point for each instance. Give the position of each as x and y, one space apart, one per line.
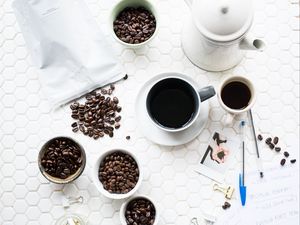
173 103
236 95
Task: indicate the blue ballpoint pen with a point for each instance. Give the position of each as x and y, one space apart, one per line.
243 188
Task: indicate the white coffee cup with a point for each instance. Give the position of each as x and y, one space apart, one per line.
236 96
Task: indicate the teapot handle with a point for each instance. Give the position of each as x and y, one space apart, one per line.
189 3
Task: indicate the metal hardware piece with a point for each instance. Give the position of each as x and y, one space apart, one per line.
228 191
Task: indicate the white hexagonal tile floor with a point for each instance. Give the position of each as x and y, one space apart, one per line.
26 120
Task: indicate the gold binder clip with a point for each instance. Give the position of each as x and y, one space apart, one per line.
228 191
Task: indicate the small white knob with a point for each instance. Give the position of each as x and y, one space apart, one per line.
224 9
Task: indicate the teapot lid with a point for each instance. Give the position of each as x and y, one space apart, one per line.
222 20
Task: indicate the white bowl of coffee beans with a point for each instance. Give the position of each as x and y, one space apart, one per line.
139 210
61 160
134 22
117 174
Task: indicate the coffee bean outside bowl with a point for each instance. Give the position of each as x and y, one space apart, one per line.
99 185
70 178
119 7
125 204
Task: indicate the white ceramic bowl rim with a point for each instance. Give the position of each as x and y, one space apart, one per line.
124 205
98 183
144 3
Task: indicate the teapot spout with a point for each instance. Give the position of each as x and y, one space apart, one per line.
249 43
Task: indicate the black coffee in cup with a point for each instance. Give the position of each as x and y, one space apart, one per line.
236 95
172 103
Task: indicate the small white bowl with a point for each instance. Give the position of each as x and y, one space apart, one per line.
98 184
132 3
124 205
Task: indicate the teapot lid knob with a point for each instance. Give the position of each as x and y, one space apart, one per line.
224 9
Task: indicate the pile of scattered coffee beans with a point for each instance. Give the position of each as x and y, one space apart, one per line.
272 143
140 211
134 25
98 115
118 173
62 158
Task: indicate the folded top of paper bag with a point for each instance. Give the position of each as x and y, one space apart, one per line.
67 46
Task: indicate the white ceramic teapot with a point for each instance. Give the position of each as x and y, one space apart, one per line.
215 37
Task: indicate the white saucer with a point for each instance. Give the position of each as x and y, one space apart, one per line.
152 132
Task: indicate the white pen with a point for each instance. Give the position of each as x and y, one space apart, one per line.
258 160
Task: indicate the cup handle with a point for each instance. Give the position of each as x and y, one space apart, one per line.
206 93
228 119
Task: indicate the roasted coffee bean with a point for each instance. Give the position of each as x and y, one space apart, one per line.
118 172
268 140
275 140
112 87
96 136
260 137
98 112
62 158
118 118
134 25
128 137
111 122
293 161
119 109
81 128
271 146
286 154
277 149
75 129
74 124
74 106
140 211
282 162
103 91
75 116
226 205
115 100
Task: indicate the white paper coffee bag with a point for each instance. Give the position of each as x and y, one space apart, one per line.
67 46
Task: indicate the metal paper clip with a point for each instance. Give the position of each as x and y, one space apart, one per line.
67 201
194 221
209 220
228 191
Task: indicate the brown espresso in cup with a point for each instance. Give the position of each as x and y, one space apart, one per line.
236 95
